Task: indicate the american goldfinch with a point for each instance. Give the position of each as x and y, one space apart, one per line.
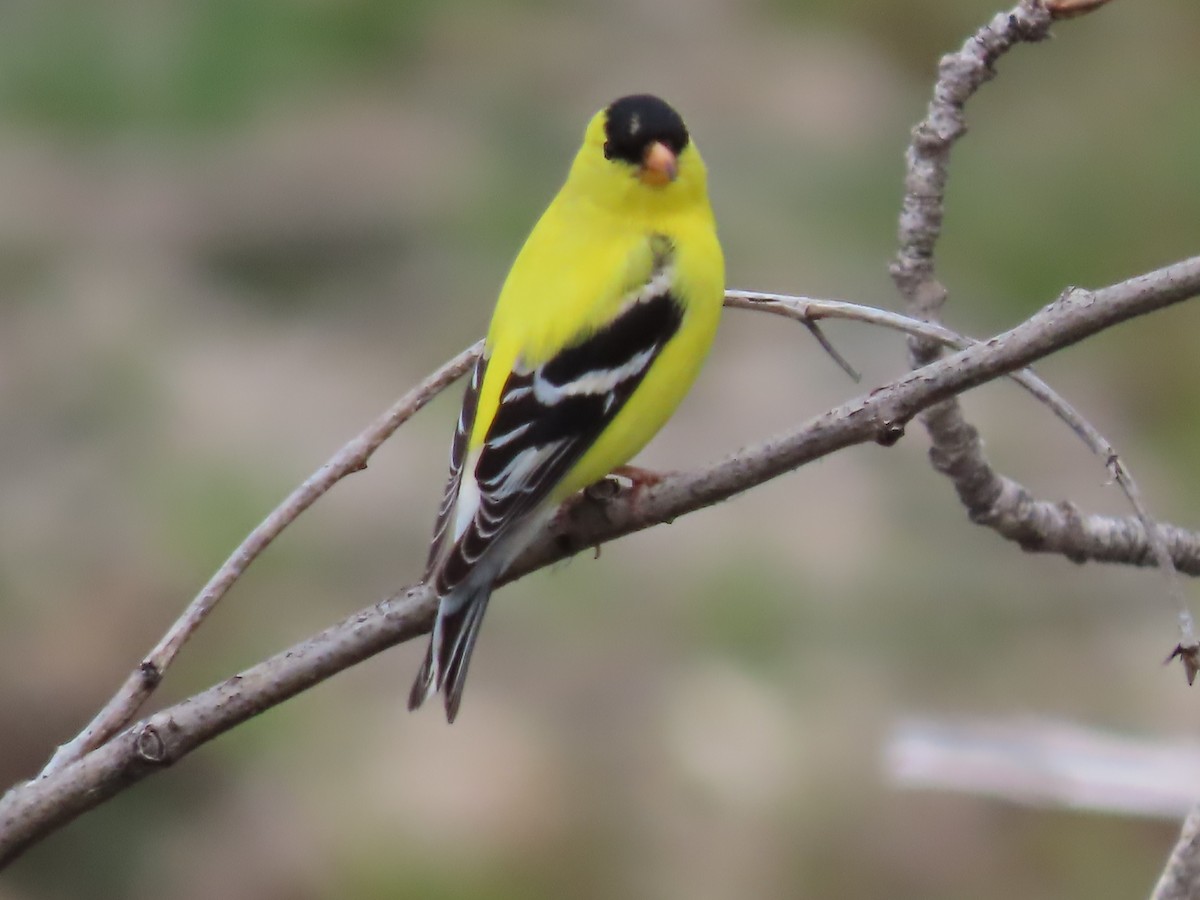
599 331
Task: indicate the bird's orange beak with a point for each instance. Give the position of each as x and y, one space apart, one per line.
659 165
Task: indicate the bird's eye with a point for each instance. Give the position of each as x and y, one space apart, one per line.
608 153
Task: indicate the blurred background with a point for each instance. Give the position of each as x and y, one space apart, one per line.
232 231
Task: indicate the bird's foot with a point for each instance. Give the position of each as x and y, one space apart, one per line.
610 487
639 480
638 477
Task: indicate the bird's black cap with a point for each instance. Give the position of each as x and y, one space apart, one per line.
634 122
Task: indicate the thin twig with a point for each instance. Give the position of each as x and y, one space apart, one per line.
808 309
815 330
353 457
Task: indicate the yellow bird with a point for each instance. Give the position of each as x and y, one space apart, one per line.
601 327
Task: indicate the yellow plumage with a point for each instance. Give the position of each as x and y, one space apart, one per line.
603 323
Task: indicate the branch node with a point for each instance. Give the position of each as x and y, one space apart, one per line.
151 673
1072 293
1189 655
889 432
1076 536
603 491
150 746
1112 463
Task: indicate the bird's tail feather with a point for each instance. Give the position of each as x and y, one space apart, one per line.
449 652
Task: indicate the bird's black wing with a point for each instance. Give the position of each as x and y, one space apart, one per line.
458 456
548 417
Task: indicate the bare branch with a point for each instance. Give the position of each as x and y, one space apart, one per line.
1045 763
353 457
121 709
807 309
960 75
990 498
30 811
1181 877
957 451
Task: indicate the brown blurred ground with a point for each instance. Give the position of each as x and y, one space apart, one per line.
230 232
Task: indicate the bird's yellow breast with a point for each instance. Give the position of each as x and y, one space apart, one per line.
594 245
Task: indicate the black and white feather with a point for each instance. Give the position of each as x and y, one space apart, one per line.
548 416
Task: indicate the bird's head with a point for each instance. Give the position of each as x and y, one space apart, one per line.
639 149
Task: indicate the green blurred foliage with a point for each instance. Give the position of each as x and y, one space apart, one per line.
93 68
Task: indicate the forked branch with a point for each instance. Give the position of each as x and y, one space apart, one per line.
30 811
